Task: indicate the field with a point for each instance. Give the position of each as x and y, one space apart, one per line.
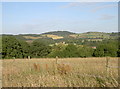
31 37
64 72
53 36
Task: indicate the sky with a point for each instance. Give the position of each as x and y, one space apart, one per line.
40 17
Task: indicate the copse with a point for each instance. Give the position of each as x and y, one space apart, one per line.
12 48
39 49
25 48
72 50
109 48
85 51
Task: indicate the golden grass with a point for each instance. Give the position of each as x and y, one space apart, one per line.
68 72
74 36
53 36
31 37
63 68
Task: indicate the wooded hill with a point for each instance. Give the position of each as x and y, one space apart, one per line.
60 43
60 36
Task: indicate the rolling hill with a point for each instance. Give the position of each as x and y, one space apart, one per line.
60 33
60 36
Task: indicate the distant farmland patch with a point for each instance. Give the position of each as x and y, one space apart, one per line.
31 37
53 36
74 36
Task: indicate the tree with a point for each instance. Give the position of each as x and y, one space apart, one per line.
11 47
85 51
40 49
106 49
118 52
72 50
25 48
57 50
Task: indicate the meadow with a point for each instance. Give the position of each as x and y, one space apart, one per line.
60 72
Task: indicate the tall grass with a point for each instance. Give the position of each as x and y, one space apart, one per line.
67 72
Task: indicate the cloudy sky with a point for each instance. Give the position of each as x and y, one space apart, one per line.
40 17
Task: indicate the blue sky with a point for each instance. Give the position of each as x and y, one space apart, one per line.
40 17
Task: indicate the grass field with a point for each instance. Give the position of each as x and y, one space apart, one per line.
31 37
66 72
53 36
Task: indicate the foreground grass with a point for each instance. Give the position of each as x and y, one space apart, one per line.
68 72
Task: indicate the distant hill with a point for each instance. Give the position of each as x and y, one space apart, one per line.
60 36
60 33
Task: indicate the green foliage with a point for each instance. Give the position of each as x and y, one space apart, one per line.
71 51
0 44
109 48
60 33
57 51
85 51
25 48
16 47
40 49
118 52
11 47
46 41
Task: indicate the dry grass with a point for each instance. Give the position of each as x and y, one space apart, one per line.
68 72
36 67
74 36
53 36
63 68
31 37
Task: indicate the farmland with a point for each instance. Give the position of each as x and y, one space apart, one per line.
60 72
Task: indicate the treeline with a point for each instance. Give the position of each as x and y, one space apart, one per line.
14 48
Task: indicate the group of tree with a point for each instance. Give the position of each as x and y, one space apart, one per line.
107 48
14 48
71 50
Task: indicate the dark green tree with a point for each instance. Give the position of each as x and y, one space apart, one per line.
85 51
106 49
70 51
11 47
40 49
25 48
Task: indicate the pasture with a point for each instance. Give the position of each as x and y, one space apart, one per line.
61 72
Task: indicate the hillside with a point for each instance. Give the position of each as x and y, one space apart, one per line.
60 33
60 36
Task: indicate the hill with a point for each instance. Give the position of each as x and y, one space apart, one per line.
59 33
60 36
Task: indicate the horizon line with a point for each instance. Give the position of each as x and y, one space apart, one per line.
54 31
